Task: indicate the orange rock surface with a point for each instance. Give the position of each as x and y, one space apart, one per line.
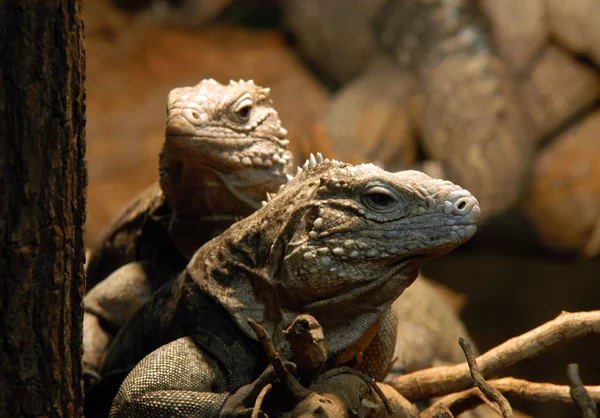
564 203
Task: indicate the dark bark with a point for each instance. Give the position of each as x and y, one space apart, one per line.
43 180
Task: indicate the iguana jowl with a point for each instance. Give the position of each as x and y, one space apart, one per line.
339 242
224 149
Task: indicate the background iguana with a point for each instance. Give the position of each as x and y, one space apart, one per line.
518 72
338 242
224 149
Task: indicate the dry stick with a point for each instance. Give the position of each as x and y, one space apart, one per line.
492 405
442 412
579 394
518 388
294 388
488 390
307 342
259 400
365 377
439 381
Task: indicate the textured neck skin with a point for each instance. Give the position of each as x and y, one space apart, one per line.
339 242
224 150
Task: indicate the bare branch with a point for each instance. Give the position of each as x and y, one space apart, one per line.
509 386
491 392
439 381
365 377
307 341
440 411
400 406
259 400
293 387
579 394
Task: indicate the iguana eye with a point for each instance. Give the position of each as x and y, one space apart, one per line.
379 199
243 109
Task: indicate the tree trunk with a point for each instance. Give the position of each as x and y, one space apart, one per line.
43 179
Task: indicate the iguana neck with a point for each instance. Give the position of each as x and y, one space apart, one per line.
206 199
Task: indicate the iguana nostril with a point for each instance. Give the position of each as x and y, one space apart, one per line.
194 116
463 206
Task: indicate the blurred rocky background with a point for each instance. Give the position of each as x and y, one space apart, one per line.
364 95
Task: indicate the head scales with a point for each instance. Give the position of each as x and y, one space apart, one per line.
210 101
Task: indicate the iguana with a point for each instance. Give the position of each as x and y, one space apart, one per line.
339 242
224 149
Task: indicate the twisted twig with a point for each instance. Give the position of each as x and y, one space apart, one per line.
366 378
259 400
488 390
579 394
439 381
291 384
509 386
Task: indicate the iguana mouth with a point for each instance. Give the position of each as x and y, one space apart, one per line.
235 187
445 233
350 292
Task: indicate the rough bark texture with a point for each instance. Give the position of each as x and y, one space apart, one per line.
42 209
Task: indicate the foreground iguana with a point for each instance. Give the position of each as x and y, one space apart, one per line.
224 149
338 242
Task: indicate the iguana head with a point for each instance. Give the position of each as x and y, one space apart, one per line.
224 149
359 232
341 243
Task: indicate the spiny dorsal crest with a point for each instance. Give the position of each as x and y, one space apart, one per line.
210 93
306 169
263 92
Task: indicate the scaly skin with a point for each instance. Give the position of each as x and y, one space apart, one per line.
338 242
224 149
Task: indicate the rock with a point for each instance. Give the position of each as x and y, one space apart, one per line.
370 120
334 34
576 25
556 87
564 203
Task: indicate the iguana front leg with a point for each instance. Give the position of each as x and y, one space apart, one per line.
180 379
176 380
